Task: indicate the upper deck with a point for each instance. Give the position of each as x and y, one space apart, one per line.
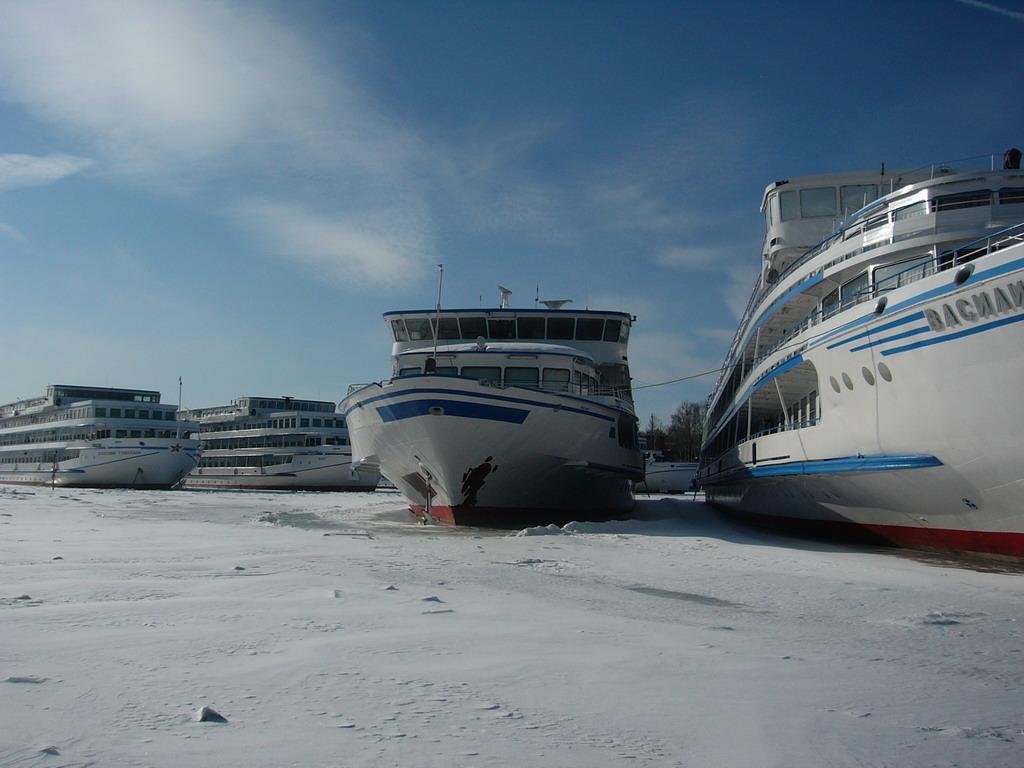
257 406
601 335
62 395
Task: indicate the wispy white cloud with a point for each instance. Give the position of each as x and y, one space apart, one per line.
9 231
1017 15
31 171
683 257
215 96
346 250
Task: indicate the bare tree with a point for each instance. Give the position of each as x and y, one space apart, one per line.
684 432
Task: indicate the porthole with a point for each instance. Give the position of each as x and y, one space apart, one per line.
835 384
869 377
884 372
436 410
847 381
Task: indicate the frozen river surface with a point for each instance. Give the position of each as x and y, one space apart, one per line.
330 630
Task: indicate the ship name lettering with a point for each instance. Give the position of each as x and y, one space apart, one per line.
978 306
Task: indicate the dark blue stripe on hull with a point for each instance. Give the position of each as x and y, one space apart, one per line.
421 407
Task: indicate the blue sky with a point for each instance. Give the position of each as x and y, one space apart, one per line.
234 192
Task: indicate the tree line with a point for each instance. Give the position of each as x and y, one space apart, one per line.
680 440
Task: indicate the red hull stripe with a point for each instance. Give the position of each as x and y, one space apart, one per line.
1001 543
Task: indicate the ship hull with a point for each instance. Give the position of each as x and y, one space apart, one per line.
919 442
301 473
465 453
150 463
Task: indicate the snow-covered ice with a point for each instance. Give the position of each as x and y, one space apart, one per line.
331 630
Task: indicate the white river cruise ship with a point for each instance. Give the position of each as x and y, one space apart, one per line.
276 443
872 386
94 437
504 417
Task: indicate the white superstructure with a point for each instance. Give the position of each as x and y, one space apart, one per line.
504 417
873 383
276 443
94 437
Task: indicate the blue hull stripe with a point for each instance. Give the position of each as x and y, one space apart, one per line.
409 409
880 329
831 467
499 398
887 339
957 335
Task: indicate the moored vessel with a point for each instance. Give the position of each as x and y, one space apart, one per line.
662 475
504 417
275 443
870 389
94 437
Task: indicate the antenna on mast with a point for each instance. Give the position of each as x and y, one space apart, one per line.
505 293
437 307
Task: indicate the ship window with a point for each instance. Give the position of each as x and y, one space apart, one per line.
303 422
853 197
143 414
830 304
121 433
522 377
101 412
612 330
115 413
169 415
419 328
1011 195
129 413
398 330
817 202
482 372
627 431
964 200
556 378
531 327
561 327
447 328
790 210
852 289
889 276
473 327
919 208
589 329
409 371
501 328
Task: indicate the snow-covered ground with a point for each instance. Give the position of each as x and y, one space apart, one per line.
330 630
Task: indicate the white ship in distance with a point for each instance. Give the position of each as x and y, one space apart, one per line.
275 443
94 437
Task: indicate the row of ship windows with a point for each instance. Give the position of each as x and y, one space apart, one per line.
86 413
56 435
290 423
820 202
529 328
227 462
286 404
41 457
556 379
272 441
